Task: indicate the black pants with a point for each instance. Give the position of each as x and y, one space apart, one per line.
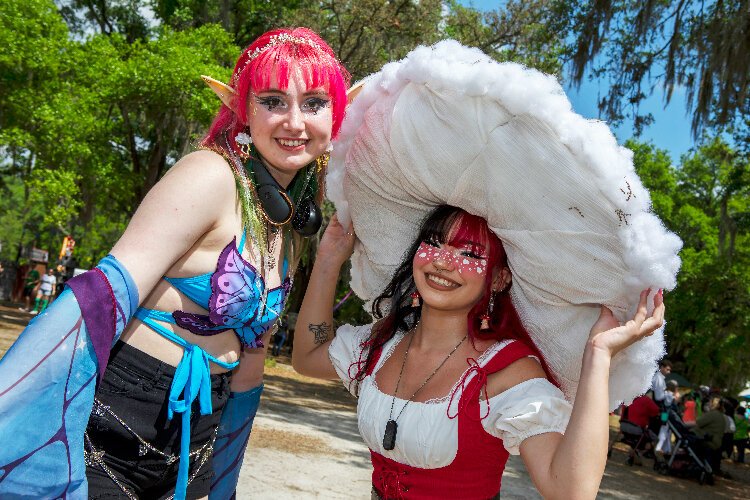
136 388
741 445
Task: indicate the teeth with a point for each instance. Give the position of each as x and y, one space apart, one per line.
294 143
440 281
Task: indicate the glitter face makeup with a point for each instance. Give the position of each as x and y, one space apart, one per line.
462 258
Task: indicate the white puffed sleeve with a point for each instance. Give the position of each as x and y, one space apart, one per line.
527 409
346 350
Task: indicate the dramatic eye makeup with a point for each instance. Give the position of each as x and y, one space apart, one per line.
271 102
315 104
472 251
278 101
464 263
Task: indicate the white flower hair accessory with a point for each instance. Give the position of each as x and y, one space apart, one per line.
243 138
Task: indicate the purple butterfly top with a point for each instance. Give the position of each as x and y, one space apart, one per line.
235 301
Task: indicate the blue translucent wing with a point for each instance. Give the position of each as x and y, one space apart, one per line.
47 384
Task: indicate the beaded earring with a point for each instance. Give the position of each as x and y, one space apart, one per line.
487 316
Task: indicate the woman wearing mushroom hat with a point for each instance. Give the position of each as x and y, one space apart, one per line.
507 248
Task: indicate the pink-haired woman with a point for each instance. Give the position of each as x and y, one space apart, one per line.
284 104
205 266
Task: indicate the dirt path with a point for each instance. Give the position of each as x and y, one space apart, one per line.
306 433
305 445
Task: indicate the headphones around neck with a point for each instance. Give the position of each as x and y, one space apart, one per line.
278 206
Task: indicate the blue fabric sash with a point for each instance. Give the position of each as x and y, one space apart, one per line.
192 380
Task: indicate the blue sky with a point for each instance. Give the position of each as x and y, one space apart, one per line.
671 127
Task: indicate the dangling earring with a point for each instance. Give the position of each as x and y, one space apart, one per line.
415 299
243 141
322 160
487 316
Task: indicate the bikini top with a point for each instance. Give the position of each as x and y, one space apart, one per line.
233 297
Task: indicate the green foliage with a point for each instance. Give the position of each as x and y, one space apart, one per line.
523 31
640 46
56 193
369 33
245 20
705 201
89 124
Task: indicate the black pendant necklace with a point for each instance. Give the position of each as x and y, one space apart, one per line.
391 427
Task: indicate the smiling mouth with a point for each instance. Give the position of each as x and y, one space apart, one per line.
292 143
439 280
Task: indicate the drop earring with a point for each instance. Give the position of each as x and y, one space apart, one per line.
415 299
322 160
487 316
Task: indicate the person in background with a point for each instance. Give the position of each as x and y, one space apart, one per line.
30 283
688 415
740 437
727 444
663 398
279 338
659 382
640 413
710 428
672 396
46 292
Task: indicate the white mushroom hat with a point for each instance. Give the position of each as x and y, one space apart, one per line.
449 125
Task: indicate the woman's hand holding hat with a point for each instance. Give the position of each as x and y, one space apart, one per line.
337 243
610 336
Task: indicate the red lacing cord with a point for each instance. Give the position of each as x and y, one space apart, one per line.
391 481
480 386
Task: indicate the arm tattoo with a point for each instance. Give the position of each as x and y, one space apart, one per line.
320 331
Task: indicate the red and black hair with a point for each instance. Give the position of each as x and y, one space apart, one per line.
453 226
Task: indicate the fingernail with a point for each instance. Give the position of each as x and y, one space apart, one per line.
661 291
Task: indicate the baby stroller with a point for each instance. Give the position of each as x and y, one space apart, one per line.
639 439
686 459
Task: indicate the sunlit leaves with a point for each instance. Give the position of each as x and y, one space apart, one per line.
705 201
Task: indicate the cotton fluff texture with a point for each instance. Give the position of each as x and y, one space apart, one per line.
448 125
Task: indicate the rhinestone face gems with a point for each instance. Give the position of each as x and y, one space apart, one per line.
427 253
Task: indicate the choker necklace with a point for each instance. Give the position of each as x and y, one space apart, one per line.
391 427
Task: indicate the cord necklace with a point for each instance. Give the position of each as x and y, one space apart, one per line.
391 427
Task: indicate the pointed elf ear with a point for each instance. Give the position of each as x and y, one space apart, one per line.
353 91
224 91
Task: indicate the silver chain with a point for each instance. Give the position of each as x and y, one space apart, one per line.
403 364
96 457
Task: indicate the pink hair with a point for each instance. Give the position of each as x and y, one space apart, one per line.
318 65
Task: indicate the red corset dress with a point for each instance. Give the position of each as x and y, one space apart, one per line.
454 447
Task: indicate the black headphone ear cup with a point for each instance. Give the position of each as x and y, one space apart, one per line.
307 218
276 205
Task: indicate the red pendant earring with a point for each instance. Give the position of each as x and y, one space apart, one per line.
415 299
487 316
